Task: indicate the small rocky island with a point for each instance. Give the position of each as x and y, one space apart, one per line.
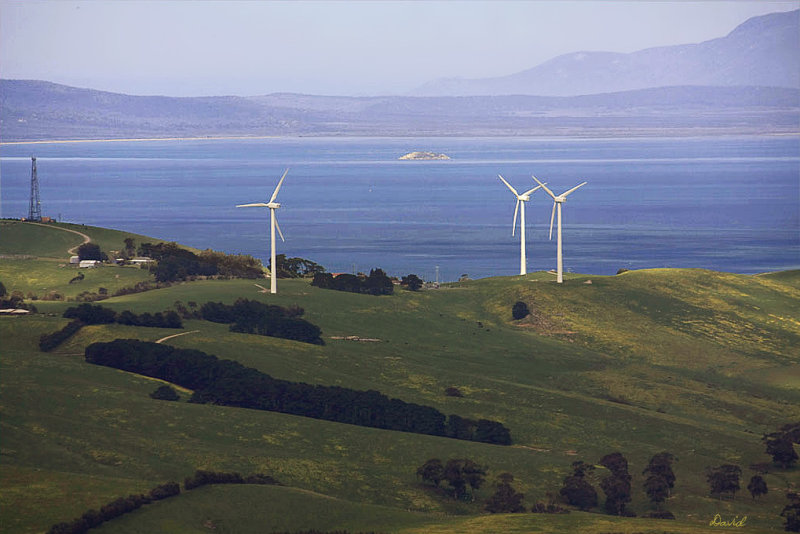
424 155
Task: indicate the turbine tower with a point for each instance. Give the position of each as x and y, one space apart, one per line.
520 207
272 205
557 201
35 208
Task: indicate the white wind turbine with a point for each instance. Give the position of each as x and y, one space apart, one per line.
272 205
520 207
557 201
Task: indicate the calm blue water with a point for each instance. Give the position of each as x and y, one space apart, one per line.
730 204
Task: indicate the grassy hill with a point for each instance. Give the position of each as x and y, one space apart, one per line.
694 362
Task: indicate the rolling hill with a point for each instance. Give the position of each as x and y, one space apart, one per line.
694 362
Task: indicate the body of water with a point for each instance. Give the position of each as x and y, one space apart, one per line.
729 204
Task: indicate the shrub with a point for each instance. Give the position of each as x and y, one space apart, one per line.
453 391
166 393
519 310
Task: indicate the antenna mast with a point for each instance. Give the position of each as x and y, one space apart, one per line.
35 211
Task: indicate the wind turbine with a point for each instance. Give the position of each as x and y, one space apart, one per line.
272 205
521 200
557 201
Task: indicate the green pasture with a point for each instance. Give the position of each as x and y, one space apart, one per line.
694 362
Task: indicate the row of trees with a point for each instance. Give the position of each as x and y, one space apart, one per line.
48 342
253 317
97 314
377 283
229 383
123 505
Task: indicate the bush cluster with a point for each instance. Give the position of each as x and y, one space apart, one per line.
94 518
377 283
176 263
253 317
229 383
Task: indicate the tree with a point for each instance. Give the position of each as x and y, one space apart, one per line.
412 282
91 251
616 486
660 465
130 247
3 291
757 486
780 447
454 476
724 479
506 500
577 491
431 471
462 473
791 513
519 310
378 283
657 490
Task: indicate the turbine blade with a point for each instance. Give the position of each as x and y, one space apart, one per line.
543 186
552 216
256 205
275 194
514 226
508 185
574 188
278 228
529 191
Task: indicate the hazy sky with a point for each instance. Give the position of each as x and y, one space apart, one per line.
187 48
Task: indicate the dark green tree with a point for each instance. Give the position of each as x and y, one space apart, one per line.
757 486
130 247
724 479
660 465
454 476
576 490
506 500
412 282
91 251
3 291
780 447
791 513
431 471
657 490
460 473
616 486
519 310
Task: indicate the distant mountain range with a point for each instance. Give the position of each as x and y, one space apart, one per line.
747 82
36 110
763 51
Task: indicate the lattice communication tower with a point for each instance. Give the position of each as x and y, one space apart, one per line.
35 211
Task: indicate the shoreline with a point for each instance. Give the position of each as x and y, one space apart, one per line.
577 135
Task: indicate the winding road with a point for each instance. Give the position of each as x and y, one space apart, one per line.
86 238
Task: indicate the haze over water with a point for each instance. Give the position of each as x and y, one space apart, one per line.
728 204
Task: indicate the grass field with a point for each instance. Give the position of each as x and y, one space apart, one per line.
694 362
